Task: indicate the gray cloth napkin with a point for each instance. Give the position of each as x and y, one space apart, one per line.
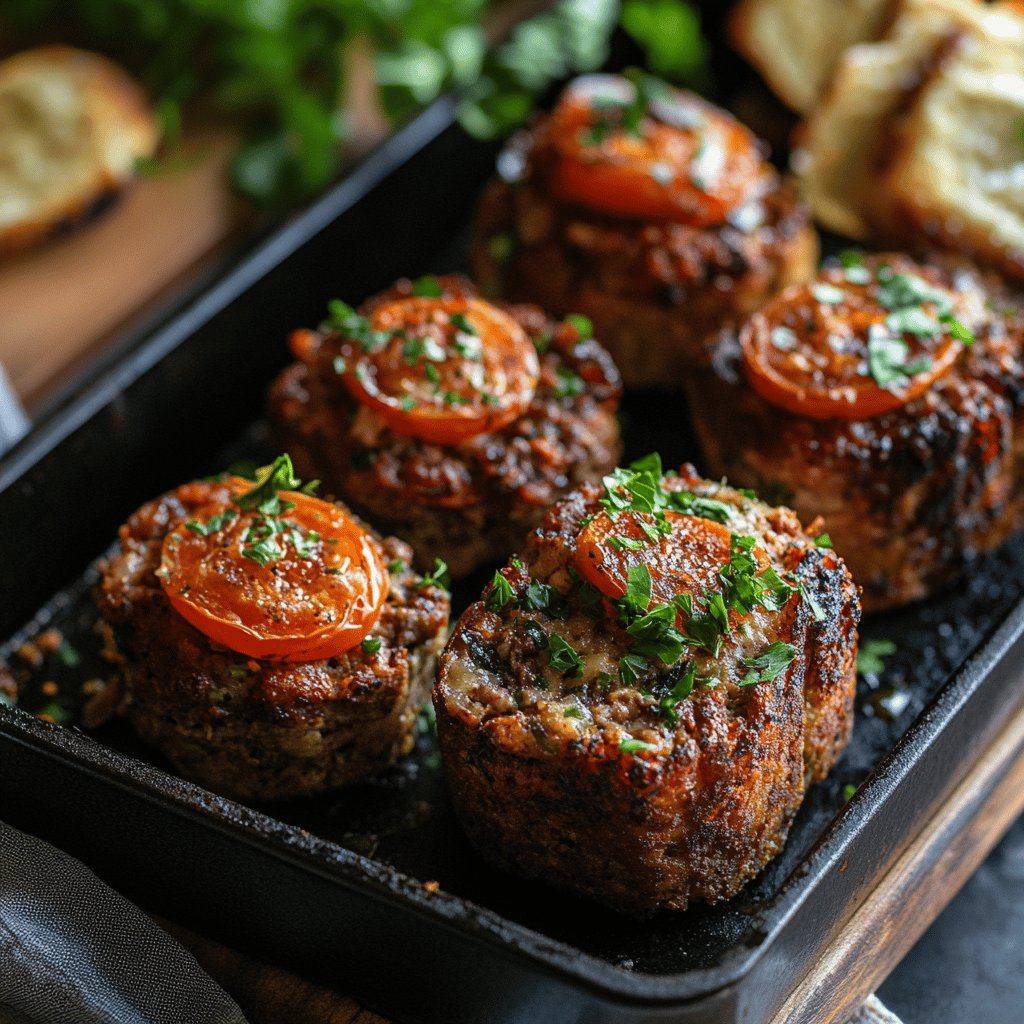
72 951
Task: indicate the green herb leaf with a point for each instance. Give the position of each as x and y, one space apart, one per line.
631 669
871 655
500 595
562 657
583 324
428 287
438 576
681 689
775 658
371 645
569 385
628 745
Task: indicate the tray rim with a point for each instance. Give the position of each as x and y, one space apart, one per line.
341 866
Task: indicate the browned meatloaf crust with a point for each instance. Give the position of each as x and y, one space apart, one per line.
468 504
262 730
908 496
654 290
535 759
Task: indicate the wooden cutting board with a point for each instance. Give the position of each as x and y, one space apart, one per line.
59 304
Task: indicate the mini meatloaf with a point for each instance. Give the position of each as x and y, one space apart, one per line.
885 396
648 210
635 709
453 421
273 649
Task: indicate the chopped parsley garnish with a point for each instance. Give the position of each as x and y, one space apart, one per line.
656 635
615 114
396 566
628 745
637 597
543 597
682 687
823 540
53 711
266 538
278 476
848 792
632 667
766 666
583 324
438 576
696 505
460 323
371 644
573 712
501 247
427 287
569 384
68 656
887 361
871 656
852 262
214 524
627 543
500 593
533 630
343 318
562 656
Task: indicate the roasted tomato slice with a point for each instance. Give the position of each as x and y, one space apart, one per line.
842 349
624 150
444 369
302 583
685 560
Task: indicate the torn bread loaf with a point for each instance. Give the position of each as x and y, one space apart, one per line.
72 127
796 44
917 140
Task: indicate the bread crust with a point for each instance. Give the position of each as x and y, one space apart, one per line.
74 124
555 797
915 141
953 171
796 44
255 729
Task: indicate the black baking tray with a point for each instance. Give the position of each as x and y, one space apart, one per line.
335 887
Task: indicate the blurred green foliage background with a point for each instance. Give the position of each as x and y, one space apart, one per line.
278 69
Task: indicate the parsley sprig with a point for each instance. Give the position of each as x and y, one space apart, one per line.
904 297
268 536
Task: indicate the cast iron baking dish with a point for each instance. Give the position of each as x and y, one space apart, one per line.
337 887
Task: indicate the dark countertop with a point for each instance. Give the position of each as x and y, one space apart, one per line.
968 968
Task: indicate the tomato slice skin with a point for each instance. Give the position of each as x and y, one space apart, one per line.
686 161
821 371
291 609
430 378
685 560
